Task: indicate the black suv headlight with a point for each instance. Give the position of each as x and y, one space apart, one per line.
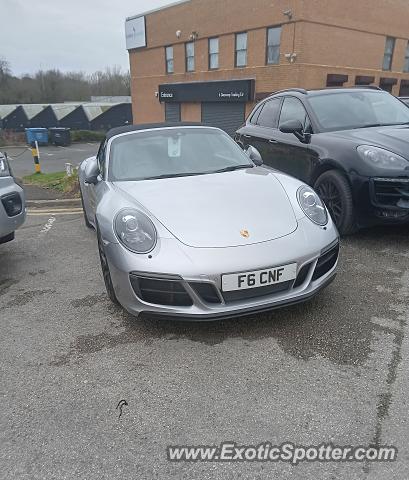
381 158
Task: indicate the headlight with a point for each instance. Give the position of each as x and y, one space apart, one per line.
378 157
135 231
312 205
4 168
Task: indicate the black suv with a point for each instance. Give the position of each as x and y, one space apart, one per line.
350 144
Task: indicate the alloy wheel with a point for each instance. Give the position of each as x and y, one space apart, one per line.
331 196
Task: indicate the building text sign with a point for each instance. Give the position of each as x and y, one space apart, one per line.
216 91
135 33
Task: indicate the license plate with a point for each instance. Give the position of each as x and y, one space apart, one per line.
259 278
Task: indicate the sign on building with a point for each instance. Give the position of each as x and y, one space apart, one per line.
135 32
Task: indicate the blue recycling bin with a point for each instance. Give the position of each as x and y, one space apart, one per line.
37 134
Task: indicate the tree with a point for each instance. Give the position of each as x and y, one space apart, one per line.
54 86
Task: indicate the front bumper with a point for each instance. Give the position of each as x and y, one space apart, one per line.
381 200
192 266
10 222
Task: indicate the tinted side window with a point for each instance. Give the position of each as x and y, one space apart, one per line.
293 109
269 114
254 116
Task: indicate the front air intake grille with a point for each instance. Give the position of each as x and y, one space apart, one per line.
326 262
160 291
249 293
206 291
391 192
302 275
13 204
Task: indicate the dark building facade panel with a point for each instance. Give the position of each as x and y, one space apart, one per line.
76 120
17 120
116 116
45 119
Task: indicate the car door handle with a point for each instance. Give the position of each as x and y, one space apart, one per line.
272 140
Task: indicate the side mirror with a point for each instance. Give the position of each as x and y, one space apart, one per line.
92 172
296 128
254 156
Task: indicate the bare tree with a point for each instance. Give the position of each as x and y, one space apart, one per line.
53 86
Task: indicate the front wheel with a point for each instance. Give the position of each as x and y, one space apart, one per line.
105 271
335 192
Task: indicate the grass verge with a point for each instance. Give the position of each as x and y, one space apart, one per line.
55 181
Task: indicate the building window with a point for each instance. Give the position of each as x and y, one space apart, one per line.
273 45
190 56
406 66
241 49
388 56
169 59
213 53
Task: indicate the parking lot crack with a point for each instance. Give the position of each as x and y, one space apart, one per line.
385 398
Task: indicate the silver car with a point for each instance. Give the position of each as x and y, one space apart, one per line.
189 225
12 203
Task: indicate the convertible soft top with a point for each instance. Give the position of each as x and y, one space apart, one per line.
148 126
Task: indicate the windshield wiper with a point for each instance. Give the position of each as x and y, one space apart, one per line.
369 125
232 167
191 174
174 175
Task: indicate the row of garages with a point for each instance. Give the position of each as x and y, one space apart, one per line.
77 116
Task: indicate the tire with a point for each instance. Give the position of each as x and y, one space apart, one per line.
335 191
86 221
7 238
105 271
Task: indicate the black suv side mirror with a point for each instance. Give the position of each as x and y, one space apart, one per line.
296 128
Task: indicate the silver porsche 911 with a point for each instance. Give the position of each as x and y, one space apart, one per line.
189 225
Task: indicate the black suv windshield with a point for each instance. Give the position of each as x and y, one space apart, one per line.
357 109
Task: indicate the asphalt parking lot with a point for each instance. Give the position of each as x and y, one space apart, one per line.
52 158
332 370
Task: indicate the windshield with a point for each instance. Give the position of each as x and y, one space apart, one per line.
163 153
358 109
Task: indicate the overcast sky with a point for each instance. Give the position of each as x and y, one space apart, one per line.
84 35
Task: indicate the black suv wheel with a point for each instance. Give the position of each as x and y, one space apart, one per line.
334 190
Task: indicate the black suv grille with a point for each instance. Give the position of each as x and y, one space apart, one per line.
160 291
391 192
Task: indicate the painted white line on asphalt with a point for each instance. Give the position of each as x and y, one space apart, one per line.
55 210
46 214
48 225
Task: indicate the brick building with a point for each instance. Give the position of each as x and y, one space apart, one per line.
210 60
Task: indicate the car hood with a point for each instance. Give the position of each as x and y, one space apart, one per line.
393 138
216 210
